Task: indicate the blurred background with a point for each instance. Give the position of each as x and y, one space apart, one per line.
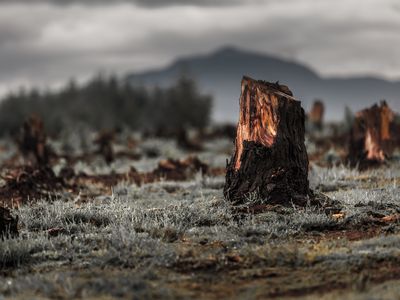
158 65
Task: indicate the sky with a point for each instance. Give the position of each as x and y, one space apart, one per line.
44 43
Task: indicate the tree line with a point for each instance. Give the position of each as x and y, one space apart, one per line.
108 103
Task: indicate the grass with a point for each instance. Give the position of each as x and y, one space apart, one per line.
171 239
134 215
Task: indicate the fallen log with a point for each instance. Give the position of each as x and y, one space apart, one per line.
371 139
270 157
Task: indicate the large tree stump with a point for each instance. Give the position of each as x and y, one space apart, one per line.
371 138
270 157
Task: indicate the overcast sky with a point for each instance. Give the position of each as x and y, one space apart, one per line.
47 42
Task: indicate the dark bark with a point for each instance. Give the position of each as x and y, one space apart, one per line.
270 156
32 142
316 115
8 224
105 140
397 132
372 137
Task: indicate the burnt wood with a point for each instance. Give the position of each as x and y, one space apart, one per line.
270 158
372 137
8 224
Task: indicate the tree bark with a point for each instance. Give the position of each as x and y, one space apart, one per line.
397 131
316 115
104 140
8 224
270 158
32 142
371 138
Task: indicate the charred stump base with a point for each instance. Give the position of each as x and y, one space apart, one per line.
270 159
263 175
371 140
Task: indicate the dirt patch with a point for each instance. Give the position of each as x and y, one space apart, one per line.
26 184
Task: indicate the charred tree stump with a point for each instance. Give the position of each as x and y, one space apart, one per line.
32 142
316 115
371 138
104 141
8 224
270 157
396 130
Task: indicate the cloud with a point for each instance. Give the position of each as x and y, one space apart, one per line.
45 44
143 3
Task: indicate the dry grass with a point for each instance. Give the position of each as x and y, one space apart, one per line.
170 240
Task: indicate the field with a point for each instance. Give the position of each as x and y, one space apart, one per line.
105 238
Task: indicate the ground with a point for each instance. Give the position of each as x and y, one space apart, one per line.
181 239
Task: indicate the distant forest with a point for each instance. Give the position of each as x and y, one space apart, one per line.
106 103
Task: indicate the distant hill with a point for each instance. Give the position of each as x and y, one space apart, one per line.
220 73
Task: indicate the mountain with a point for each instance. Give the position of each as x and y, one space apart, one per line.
220 73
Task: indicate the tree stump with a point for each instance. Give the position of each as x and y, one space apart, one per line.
104 140
371 138
396 131
32 142
270 157
316 115
8 224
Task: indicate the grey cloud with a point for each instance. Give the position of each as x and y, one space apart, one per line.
17 34
143 3
29 54
8 34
